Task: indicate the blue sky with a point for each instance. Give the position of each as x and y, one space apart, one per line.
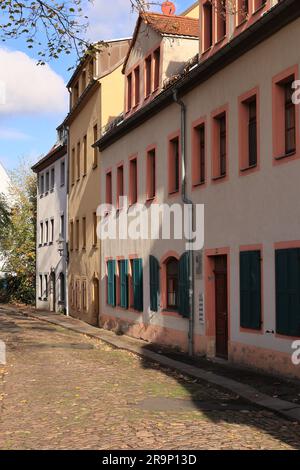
36 100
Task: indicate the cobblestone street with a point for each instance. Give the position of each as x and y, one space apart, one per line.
62 390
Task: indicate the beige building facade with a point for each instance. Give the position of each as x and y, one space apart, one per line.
235 131
96 98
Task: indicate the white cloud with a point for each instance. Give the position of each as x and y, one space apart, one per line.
110 19
8 133
29 88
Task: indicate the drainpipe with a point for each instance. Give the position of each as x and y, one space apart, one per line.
186 200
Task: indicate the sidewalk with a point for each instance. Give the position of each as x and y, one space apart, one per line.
264 390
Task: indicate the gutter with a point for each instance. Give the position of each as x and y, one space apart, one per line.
187 201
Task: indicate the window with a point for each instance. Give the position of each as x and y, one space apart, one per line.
91 69
136 86
156 68
83 81
75 93
47 182
78 161
108 187
46 287
148 76
47 232
288 292
248 131
52 178
62 173
219 146
42 184
77 295
62 226
242 11
120 185
83 233
41 287
137 284
62 288
174 165
154 283
51 231
84 155
285 115
73 167
207 26
123 283
290 118
250 290
95 131
129 92
172 283
151 174
84 295
71 236
111 283
221 20
95 238
77 235
41 233
133 181
198 170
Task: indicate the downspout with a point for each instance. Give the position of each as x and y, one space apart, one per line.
187 201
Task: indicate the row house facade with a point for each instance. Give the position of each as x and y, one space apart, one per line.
96 98
222 132
51 249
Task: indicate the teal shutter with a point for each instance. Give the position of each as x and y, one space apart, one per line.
138 284
111 283
250 290
183 285
288 292
124 284
154 283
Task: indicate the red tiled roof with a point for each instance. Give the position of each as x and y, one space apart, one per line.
174 25
164 24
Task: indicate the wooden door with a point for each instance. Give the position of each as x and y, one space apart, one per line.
221 303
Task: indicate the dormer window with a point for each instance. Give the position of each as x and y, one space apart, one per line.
221 20
91 69
76 93
148 75
136 86
83 81
243 10
129 92
207 26
156 58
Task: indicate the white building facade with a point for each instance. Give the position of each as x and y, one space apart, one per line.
51 246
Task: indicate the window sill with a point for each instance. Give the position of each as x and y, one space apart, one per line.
51 190
219 41
150 200
41 196
50 243
197 185
207 50
250 167
242 23
173 193
286 155
95 165
218 178
62 185
260 8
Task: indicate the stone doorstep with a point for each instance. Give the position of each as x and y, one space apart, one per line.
281 407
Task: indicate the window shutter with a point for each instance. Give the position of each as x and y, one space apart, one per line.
138 284
111 283
124 284
288 292
183 286
154 284
250 290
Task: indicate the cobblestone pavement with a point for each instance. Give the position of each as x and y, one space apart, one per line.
62 390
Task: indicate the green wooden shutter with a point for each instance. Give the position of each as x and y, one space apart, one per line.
250 289
111 283
138 284
124 284
183 285
288 292
154 283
